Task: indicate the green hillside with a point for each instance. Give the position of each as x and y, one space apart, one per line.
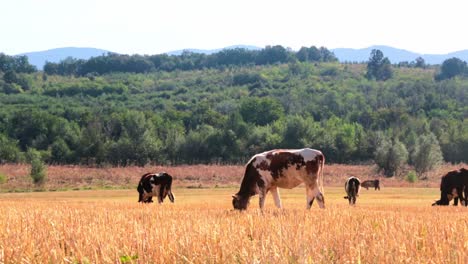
225 114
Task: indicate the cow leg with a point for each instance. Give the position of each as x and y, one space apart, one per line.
313 193
456 194
171 196
320 199
460 195
261 198
276 197
310 197
465 198
160 194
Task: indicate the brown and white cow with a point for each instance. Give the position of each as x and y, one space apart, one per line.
155 184
282 168
371 183
352 188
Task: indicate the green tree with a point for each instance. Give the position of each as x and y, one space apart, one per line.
427 154
9 150
261 111
137 143
60 152
451 68
391 156
419 62
378 66
38 171
298 131
262 138
10 77
91 147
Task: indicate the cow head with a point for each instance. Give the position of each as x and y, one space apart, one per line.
376 185
240 202
440 202
445 198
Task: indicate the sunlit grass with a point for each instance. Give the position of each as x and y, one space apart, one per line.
394 225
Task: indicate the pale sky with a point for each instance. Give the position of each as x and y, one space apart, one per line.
154 26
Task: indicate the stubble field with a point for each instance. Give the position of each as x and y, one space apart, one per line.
394 225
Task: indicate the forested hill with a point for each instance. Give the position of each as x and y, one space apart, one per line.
225 113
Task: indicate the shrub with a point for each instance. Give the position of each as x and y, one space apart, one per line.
411 177
3 178
427 154
390 156
38 173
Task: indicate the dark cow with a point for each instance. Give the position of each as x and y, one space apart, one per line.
454 185
275 169
155 184
352 187
371 183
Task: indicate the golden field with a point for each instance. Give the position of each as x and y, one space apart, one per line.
394 225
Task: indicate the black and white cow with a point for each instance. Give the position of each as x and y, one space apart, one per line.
279 168
352 187
155 184
454 185
371 183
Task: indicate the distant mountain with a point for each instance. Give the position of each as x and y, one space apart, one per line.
360 55
208 52
395 55
343 54
39 58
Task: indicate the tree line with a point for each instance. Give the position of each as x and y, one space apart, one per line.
112 62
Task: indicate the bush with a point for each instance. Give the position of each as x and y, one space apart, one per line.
38 173
411 177
9 151
391 156
427 154
3 178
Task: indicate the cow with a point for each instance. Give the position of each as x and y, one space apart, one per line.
371 183
155 184
454 185
282 168
352 187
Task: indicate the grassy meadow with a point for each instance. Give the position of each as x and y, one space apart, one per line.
394 225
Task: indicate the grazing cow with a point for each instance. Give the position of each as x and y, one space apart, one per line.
279 168
371 183
155 184
454 185
352 187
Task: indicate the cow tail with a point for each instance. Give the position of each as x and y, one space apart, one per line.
322 165
140 187
169 190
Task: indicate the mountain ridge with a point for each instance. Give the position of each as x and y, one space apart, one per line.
39 58
395 55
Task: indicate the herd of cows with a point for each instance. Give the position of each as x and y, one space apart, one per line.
266 172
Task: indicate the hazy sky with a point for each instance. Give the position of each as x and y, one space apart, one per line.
153 26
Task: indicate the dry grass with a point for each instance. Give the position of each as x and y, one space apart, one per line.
395 225
195 176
